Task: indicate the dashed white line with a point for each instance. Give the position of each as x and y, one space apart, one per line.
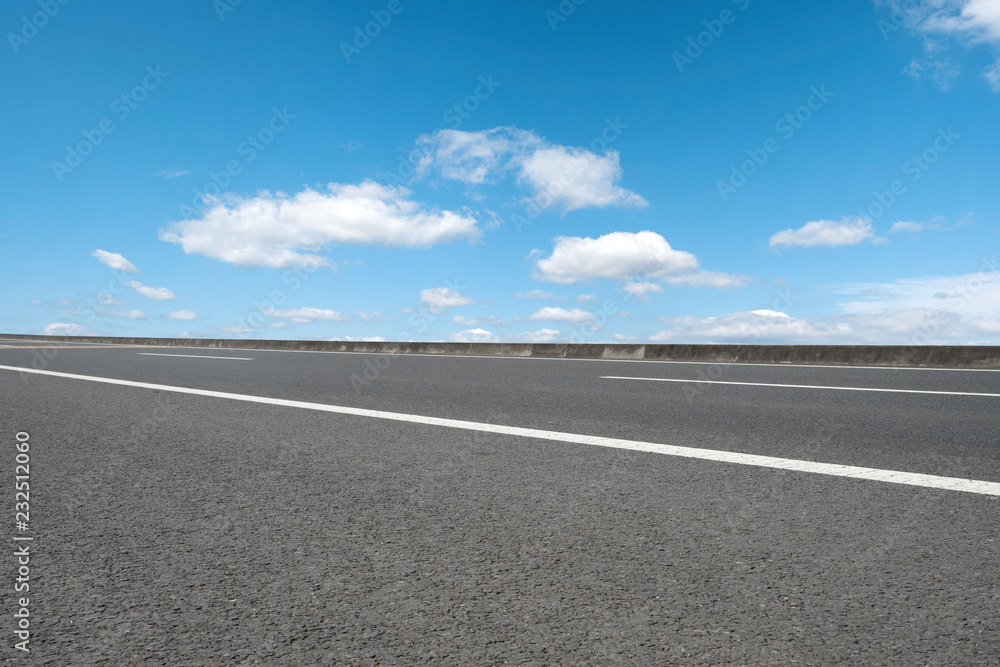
193 356
805 386
832 469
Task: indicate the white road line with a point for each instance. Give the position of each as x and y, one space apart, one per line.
833 469
192 356
805 386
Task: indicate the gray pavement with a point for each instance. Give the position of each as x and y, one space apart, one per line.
178 529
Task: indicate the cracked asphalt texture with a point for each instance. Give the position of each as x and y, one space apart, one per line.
184 530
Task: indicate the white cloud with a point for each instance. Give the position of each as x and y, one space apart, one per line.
542 336
114 260
849 231
65 329
623 338
639 290
493 320
762 326
474 157
715 279
614 256
575 315
929 310
158 293
278 230
936 224
374 316
306 315
474 336
556 176
575 178
537 294
464 321
182 315
35 302
992 76
237 329
907 227
362 339
966 22
124 314
586 298
439 299
171 173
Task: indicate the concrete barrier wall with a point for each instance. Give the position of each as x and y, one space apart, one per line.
938 356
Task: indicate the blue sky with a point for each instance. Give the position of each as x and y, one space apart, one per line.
728 171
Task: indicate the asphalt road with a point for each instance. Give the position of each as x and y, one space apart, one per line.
184 529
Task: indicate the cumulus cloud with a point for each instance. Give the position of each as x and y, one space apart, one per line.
556 176
586 298
123 314
182 315
66 329
537 294
464 321
279 230
373 316
234 329
930 310
474 336
171 173
542 336
638 259
554 314
306 315
848 231
492 320
158 293
114 260
947 23
763 326
639 290
439 299
575 178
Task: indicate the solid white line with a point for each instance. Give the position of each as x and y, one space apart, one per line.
192 356
805 386
833 469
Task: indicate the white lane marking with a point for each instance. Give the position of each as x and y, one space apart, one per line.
833 469
805 386
192 356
